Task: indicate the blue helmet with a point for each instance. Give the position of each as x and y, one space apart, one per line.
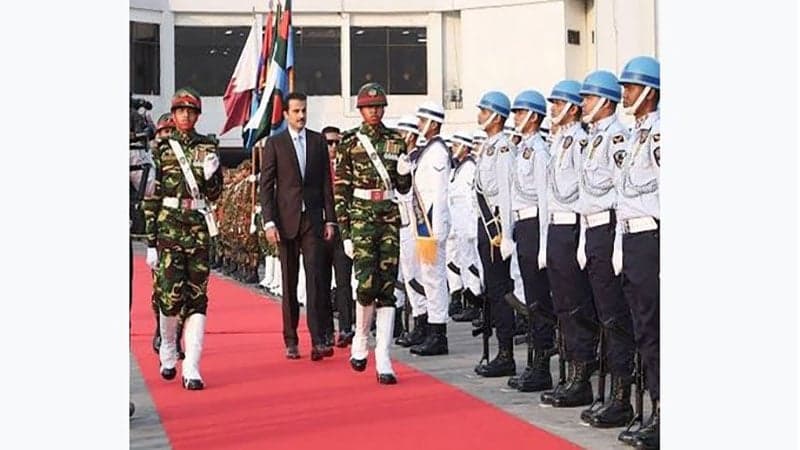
602 84
532 101
643 70
568 91
496 102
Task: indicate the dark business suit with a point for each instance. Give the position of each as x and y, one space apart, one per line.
283 192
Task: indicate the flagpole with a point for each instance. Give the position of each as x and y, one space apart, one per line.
252 178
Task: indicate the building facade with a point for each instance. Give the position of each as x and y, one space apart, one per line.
446 50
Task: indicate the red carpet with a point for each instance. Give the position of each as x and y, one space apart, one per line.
256 399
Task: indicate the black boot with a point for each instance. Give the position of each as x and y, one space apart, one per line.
648 437
579 391
251 276
435 343
538 378
227 268
501 366
547 397
455 306
619 411
417 335
472 307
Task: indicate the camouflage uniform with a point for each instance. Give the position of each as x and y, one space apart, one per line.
369 223
179 233
373 226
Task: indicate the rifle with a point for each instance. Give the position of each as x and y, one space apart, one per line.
638 405
485 330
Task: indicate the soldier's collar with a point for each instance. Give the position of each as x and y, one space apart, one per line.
602 124
647 120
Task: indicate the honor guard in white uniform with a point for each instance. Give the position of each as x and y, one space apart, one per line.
639 220
495 222
602 158
529 206
572 296
409 266
463 261
430 182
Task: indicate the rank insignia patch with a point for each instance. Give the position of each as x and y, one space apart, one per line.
490 151
657 156
567 142
644 135
618 139
527 153
656 137
597 141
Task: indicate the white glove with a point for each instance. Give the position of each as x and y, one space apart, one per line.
616 259
348 248
506 248
210 165
403 165
581 256
152 258
542 257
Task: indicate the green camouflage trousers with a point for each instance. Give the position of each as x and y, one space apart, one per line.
376 251
183 264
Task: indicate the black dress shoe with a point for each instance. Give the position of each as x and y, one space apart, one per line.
359 365
344 339
168 374
387 378
327 351
317 352
192 385
292 352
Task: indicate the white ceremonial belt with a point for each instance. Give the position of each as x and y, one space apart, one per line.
526 213
374 195
639 224
597 219
563 218
185 203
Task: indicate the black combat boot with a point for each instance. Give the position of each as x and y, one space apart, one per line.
579 391
547 397
538 378
227 267
251 276
472 307
417 335
502 365
435 343
520 325
648 437
455 306
617 412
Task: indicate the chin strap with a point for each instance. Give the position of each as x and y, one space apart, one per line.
632 109
590 117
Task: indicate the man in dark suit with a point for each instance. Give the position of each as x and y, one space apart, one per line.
295 193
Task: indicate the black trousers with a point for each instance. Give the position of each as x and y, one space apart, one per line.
318 311
572 295
535 284
612 309
640 284
335 258
497 280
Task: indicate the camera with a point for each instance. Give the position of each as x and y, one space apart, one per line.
137 103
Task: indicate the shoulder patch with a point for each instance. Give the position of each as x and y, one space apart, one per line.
656 137
504 149
597 141
657 156
490 151
619 158
567 142
643 136
618 139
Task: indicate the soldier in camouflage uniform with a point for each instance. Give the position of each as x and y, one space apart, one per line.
178 230
369 221
164 127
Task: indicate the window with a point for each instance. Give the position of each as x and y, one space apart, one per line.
145 70
394 57
206 56
317 60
